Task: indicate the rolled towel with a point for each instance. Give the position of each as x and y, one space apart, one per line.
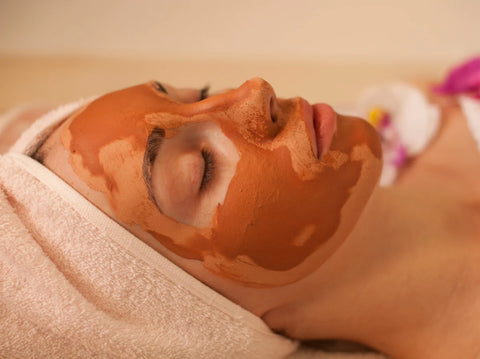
75 284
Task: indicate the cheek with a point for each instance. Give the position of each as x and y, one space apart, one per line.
121 163
275 220
122 184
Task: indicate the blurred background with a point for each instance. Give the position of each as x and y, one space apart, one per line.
52 51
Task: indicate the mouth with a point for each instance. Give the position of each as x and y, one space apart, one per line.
321 121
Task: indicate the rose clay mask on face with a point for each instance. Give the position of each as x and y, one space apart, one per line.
261 190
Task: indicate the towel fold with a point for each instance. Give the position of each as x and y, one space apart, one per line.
75 284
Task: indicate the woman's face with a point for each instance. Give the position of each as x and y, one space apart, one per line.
261 190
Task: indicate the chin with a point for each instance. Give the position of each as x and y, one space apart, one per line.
354 132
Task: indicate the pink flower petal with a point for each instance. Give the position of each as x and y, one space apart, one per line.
464 78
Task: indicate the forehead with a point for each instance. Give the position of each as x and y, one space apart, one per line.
121 115
116 116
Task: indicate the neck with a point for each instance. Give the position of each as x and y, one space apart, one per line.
402 283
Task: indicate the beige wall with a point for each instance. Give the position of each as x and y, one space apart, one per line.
335 30
323 50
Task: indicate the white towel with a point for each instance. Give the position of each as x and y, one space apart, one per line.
74 283
413 118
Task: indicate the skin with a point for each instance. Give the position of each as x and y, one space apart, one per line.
406 280
251 224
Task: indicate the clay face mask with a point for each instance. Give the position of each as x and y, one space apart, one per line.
261 190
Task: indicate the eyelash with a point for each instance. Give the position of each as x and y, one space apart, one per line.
209 168
204 92
159 87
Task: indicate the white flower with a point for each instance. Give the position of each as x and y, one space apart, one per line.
404 119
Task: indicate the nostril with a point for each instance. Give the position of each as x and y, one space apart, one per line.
273 109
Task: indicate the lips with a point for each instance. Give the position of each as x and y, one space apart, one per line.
321 121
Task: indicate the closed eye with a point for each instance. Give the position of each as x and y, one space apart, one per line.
154 141
208 169
191 172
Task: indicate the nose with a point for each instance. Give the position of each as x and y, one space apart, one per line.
262 96
253 109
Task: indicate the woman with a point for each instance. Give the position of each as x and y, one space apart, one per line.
273 203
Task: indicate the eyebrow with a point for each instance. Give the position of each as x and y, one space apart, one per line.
154 141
